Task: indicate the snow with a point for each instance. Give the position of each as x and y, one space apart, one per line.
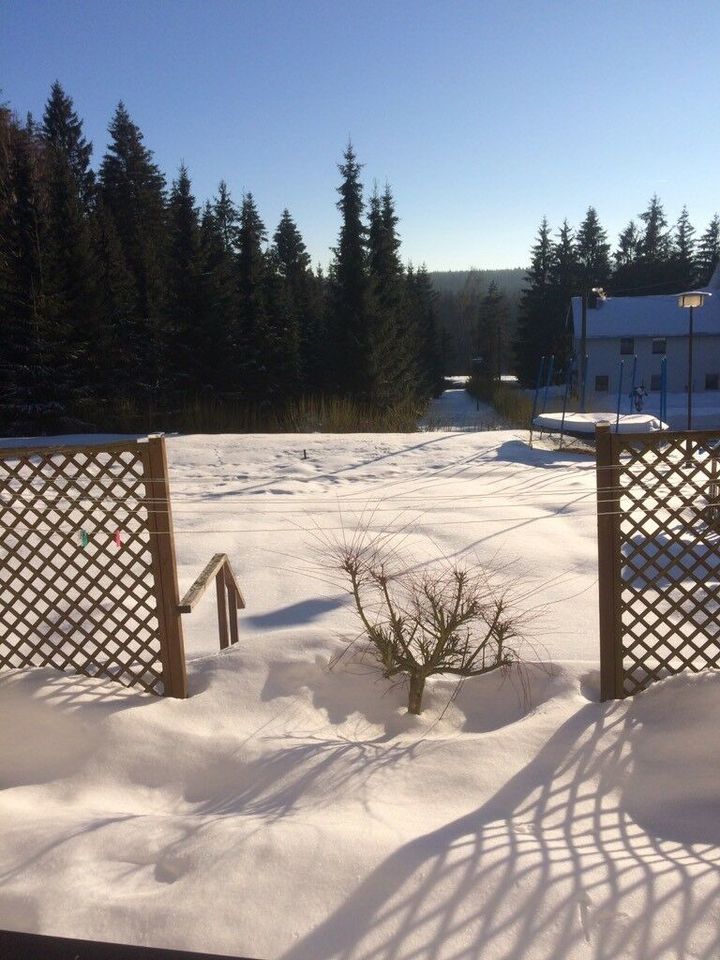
653 316
587 422
289 810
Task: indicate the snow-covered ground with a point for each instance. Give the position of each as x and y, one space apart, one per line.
291 810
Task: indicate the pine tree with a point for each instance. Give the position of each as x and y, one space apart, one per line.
392 367
492 327
708 252
31 391
184 302
541 329
422 304
133 191
302 303
654 251
226 218
253 326
593 253
62 132
73 313
625 277
682 268
349 282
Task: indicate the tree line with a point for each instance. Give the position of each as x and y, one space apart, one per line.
114 287
651 257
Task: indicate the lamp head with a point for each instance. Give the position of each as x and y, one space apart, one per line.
693 298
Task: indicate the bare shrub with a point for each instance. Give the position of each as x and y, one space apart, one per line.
459 620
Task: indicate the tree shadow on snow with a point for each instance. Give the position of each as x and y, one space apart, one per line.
587 851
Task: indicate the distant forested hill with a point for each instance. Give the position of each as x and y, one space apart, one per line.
459 306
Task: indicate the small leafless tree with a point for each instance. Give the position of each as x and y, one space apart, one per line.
456 621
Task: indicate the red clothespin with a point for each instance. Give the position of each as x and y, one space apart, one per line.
118 539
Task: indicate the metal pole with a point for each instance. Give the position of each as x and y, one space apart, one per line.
568 374
617 418
583 350
535 399
663 389
634 375
547 381
690 372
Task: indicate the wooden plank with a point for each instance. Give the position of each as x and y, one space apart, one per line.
34 946
49 450
232 580
222 608
231 591
162 549
196 591
608 504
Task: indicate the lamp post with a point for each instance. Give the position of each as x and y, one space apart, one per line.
689 300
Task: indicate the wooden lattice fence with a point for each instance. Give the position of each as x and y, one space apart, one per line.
658 556
88 577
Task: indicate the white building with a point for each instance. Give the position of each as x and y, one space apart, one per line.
650 328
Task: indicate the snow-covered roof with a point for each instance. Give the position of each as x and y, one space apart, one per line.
658 316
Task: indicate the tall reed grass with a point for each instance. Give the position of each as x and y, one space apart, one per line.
511 404
321 414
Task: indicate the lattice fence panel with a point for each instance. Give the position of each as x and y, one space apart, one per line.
90 608
667 559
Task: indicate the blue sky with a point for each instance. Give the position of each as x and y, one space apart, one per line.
483 116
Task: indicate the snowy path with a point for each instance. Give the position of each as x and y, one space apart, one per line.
455 409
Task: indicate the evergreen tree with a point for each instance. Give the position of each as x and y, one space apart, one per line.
302 302
226 218
133 191
116 348
627 261
422 304
254 334
184 302
541 329
392 370
708 252
654 252
592 252
492 329
682 267
350 295
62 132
30 390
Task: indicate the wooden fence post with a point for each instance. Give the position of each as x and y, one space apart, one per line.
608 507
162 547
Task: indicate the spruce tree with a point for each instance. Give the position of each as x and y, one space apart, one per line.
349 287
492 329
184 303
253 327
300 294
62 132
391 345
422 303
592 252
682 268
708 252
133 191
541 329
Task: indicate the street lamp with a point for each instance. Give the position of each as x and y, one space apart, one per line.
689 300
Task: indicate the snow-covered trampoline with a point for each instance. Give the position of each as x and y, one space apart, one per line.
583 424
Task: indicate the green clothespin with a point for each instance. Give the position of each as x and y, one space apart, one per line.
84 538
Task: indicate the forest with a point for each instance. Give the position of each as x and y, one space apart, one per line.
123 298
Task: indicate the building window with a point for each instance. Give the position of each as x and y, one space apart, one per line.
601 384
627 345
711 381
655 382
659 345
